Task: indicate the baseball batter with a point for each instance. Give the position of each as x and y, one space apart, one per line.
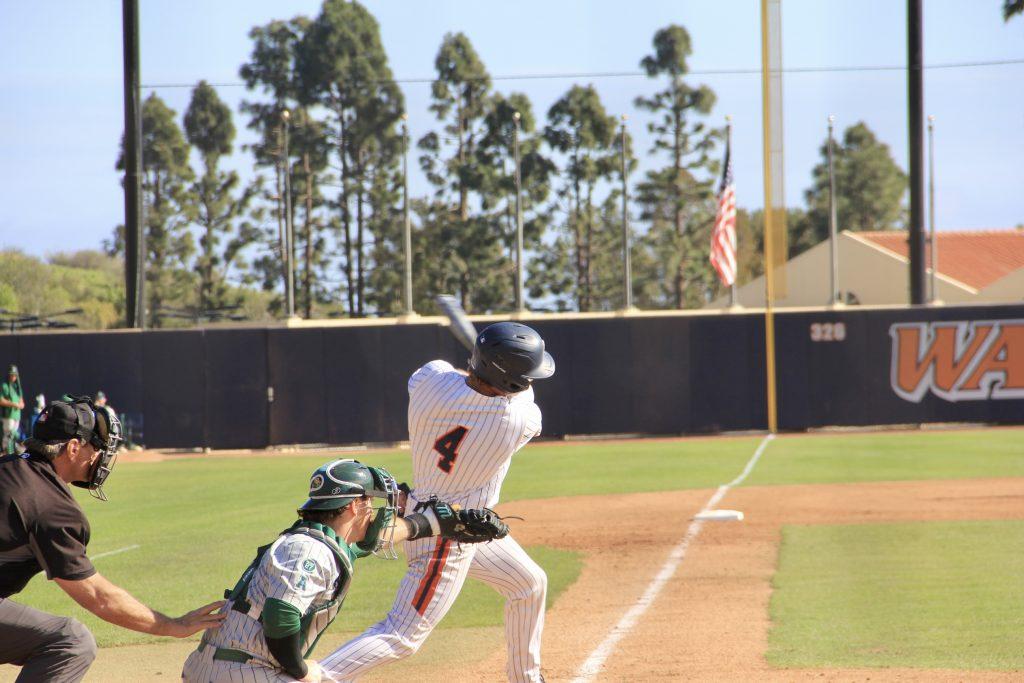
294 588
464 429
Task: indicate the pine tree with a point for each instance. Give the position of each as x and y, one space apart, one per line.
168 208
341 64
676 199
218 206
870 187
459 226
309 150
495 160
580 130
459 100
271 69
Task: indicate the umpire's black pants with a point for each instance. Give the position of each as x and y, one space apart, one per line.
45 646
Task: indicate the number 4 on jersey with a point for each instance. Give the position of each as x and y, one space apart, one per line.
448 447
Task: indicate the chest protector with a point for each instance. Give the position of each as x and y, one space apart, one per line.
319 616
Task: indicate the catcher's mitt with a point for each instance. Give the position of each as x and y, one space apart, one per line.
468 526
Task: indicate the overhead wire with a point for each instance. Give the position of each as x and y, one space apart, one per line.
636 74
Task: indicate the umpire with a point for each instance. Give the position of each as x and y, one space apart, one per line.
42 528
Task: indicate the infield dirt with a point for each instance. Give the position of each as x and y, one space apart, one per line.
711 620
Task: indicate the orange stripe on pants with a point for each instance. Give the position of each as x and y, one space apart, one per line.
428 584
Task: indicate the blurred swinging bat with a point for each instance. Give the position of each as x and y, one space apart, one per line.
460 326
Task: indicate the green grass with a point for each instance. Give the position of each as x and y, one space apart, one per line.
924 594
175 580
883 456
198 520
590 468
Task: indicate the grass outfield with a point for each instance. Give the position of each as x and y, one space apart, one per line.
197 521
893 456
923 594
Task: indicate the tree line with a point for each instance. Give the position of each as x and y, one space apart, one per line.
212 240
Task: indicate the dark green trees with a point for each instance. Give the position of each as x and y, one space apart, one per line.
582 132
677 200
341 65
217 205
341 150
271 70
168 208
869 189
456 252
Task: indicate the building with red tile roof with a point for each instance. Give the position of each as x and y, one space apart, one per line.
974 266
977 258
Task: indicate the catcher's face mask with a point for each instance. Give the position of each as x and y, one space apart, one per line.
384 498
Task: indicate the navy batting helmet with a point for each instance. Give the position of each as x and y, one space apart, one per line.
509 356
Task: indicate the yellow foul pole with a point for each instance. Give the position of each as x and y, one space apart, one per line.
769 219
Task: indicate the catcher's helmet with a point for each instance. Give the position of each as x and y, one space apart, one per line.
339 482
509 356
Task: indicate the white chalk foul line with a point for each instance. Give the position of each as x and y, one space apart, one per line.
115 552
592 666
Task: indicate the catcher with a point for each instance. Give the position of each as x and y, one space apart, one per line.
294 588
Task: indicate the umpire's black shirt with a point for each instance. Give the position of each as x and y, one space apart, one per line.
42 527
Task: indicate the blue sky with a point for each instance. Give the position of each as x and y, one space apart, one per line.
61 111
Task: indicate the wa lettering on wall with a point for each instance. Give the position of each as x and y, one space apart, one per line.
963 360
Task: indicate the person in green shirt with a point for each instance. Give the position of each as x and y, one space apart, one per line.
11 403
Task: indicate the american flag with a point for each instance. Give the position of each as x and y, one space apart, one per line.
723 239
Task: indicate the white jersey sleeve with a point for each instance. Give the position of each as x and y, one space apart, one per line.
300 571
523 405
434 367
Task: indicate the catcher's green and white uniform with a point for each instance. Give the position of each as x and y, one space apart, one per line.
306 572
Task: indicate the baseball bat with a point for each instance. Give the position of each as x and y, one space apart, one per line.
460 326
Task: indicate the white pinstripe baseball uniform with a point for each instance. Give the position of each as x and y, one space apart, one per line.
297 569
462 444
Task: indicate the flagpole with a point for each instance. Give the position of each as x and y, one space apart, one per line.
833 295
931 207
627 273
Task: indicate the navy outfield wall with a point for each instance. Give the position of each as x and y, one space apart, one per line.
619 375
347 384
664 374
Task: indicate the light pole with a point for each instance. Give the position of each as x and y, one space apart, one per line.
520 306
407 231
289 259
627 271
832 229
134 220
932 246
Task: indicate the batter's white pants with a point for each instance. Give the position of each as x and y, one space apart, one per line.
437 570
